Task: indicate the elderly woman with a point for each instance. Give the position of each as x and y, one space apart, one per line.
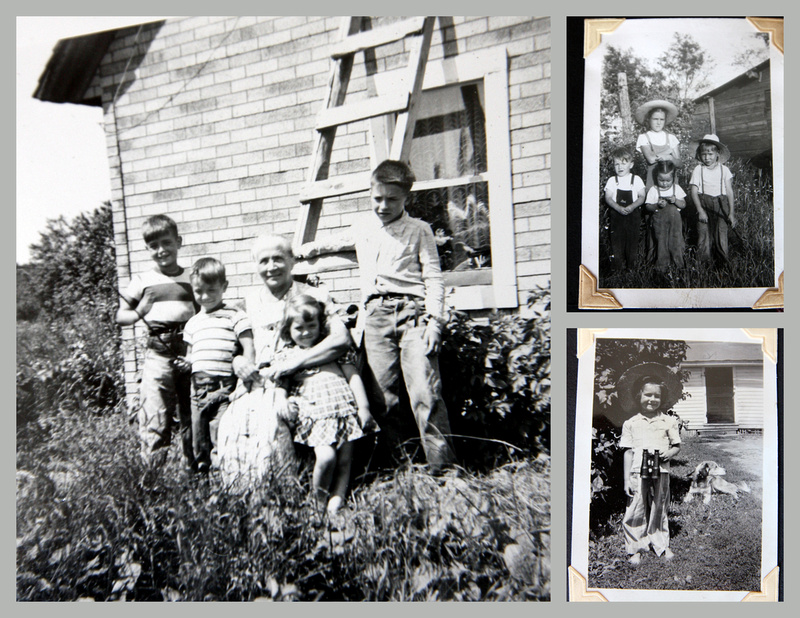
254 436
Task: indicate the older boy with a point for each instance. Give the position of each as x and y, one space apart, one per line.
162 297
403 295
213 337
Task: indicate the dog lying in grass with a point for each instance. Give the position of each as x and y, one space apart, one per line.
707 478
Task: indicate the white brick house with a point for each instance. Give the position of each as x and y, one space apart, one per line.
211 120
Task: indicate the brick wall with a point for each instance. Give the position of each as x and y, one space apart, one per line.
211 120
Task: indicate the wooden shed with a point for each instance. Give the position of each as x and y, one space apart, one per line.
726 387
740 113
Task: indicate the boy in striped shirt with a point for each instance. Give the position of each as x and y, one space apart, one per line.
213 337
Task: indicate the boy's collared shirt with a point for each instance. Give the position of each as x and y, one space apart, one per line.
399 258
214 337
641 433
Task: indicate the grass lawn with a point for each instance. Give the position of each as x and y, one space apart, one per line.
717 546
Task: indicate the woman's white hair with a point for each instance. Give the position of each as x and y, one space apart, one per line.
270 241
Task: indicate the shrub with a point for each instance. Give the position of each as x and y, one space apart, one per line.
496 381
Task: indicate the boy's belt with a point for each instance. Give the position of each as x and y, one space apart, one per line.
392 298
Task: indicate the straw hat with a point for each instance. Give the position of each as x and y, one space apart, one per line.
644 109
630 382
710 138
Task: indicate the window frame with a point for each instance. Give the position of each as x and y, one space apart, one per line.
490 67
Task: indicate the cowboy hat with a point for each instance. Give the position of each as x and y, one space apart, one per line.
644 109
635 377
710 138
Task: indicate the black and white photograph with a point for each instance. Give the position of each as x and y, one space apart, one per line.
682 162
675 481
283 308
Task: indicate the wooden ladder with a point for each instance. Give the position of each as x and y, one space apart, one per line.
385 142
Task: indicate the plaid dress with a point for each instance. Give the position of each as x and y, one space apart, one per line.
327 414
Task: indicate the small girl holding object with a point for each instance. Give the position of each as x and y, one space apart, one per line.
330 402
712 194
651 439
665 200
656 144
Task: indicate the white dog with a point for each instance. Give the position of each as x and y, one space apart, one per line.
707 478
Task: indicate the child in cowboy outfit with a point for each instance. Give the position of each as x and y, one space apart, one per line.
656 144
403 303
651 439
624 193
712 195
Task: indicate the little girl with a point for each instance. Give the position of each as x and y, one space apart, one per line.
650 439
656 144
665 200
331 404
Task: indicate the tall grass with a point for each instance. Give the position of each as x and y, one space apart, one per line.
751 247
93 522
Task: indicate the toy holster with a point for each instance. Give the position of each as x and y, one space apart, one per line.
650 474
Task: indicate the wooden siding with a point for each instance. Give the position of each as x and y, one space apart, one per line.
748 385
743 115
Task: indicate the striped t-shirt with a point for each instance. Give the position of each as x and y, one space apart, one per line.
173 301
214 337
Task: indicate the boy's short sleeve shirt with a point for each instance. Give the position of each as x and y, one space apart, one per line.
641 433
173 301
711 182
631 182
214 339
653 194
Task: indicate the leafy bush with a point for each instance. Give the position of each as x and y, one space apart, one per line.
496 381
68 344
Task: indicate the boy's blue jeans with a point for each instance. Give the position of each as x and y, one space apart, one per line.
209 402
394 339
163 389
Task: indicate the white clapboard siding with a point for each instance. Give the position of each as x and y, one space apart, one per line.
749 397
748 387
693 408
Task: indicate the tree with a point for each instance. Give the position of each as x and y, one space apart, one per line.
685 67
754 55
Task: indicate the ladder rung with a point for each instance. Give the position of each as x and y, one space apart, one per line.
333 187
373 38
368 108
326 263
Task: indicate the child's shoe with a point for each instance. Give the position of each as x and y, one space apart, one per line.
668 555
635 559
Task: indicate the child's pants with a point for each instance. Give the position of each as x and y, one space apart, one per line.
645 521
164 388
210 398
712 237
395 346
668 237
623 231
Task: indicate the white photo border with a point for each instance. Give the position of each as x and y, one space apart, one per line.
590 216
579 552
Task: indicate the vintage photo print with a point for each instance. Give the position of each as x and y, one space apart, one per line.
675 478
682 201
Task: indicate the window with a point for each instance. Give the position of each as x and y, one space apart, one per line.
461 156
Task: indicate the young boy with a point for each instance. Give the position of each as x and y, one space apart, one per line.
213 337
624 193
403 294
712 194
162 297
651 438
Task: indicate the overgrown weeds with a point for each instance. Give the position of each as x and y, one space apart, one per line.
93 522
